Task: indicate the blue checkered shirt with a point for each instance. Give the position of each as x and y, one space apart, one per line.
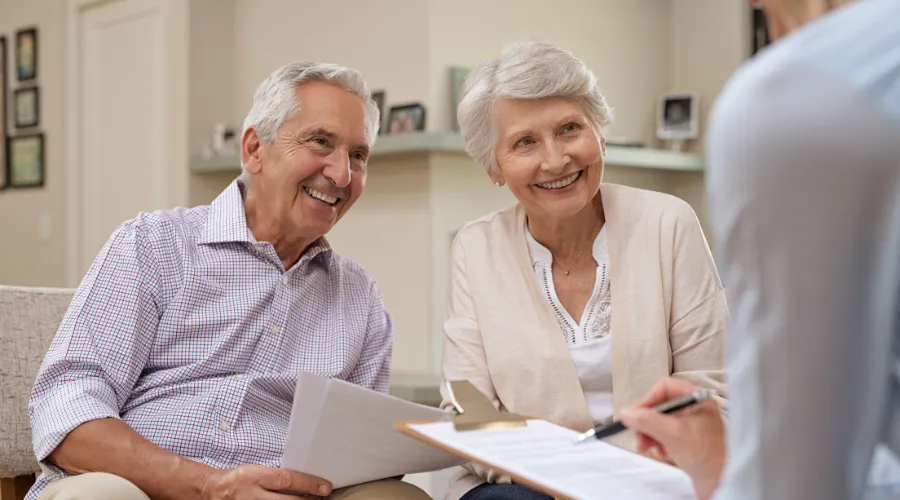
191 332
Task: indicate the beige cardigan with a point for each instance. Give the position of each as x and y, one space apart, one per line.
668 314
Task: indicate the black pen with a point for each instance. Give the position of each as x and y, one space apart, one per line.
606 430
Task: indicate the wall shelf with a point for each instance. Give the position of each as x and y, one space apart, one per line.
426 142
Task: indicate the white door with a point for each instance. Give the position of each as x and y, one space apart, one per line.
121 139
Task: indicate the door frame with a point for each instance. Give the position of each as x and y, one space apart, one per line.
176 19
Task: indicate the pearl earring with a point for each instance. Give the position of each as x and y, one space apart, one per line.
497 183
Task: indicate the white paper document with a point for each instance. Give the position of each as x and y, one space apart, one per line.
345 434
546 454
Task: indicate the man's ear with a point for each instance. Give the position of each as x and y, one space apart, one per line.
250 149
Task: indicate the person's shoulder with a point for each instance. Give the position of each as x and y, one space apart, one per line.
491 226
156 227
650 205
837 52
351 274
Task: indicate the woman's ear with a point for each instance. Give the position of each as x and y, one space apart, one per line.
497 178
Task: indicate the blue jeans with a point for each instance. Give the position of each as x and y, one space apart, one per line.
504 492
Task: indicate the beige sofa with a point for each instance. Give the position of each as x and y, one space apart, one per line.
29 318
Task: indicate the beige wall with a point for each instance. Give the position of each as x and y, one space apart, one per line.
623 41
25 257
385 39
710 39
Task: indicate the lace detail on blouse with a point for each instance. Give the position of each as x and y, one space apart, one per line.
596 320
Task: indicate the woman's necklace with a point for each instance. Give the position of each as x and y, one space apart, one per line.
578 254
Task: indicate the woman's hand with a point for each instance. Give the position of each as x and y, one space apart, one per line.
693 438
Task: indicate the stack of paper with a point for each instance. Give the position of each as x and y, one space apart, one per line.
545 456
345 434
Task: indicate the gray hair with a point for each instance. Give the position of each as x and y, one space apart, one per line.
275 100
525 70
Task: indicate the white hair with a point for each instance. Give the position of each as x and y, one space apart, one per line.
275 100
525 70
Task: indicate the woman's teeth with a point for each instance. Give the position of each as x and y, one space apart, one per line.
560 183
331 200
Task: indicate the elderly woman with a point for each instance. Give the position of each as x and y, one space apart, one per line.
574 302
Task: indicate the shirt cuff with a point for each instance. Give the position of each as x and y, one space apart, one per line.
67 406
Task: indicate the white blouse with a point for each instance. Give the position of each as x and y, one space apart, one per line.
588 339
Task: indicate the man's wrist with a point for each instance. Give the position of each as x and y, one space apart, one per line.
192 478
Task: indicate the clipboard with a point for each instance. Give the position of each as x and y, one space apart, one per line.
473 411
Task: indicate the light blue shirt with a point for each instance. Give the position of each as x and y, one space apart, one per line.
804 202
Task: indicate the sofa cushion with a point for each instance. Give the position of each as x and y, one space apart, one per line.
29 318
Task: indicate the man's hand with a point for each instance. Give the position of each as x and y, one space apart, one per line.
693 438
255 482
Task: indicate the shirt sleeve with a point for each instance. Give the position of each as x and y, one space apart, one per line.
800 169
374 368
699 310
463 357
102 344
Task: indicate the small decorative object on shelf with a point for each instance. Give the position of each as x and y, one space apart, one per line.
406 118
457 79
224 142
378 97
678 119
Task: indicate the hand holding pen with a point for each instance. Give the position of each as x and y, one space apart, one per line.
692 438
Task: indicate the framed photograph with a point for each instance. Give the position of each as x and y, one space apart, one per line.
678 116
378 97
27 107
26 54
406 118
457 79
3 115
759 31
25 161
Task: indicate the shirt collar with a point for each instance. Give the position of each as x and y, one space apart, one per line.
227 221
540 253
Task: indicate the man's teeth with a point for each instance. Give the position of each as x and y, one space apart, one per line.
560 183
331 200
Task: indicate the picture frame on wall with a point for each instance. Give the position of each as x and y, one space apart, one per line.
26 54
26 104
759 31
25 161
4 121
406 118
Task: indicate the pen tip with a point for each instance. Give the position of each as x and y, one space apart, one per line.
584 436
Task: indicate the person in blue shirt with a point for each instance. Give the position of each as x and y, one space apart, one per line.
803 184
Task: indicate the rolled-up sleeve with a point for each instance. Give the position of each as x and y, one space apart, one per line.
102 344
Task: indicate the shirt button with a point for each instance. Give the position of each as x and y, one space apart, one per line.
223 426
239 376
259 248
284 280
275 329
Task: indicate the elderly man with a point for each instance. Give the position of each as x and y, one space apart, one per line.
173 373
